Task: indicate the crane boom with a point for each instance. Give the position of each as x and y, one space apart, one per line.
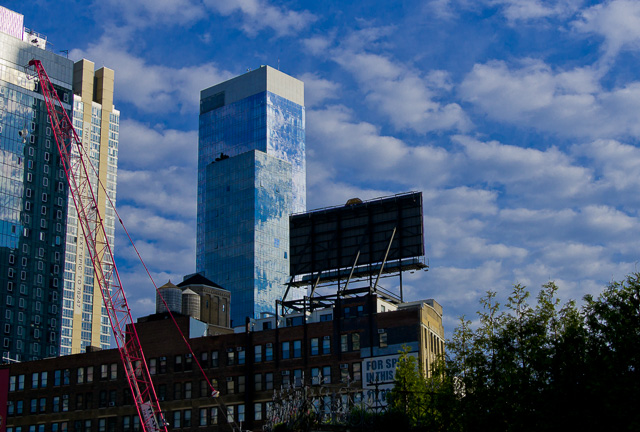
84 198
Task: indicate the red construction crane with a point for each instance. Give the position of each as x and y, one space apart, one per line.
84 198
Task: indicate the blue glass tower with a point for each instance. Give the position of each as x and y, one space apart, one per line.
251 177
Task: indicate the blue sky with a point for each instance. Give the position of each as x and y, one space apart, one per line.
519 120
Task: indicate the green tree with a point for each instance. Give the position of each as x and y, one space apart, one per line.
409 390
533 365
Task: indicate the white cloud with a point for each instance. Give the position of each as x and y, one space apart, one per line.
317 89
526 10
168 190
616 164
152 88
143 13
515 11
567 103
143 147
259 14
618 22
400 92
345 146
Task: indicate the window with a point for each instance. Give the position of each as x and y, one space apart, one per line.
177 416
355 341
344 373
152 366
297 349
326 374
268 352
241 356
230 385
383 339
257 351
187 390
257 382
326 345
315 376
35 380
315 348
177 391
344 343
162 365
257 411
214 359
113 371
241 413
89 374
186 418
297 378
241 380
177 365
357 375
231 358
285 350
104 371
268 381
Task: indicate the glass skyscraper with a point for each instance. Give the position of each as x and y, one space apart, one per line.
33 192
251 177
50 303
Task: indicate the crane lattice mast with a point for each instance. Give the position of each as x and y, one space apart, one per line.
77 171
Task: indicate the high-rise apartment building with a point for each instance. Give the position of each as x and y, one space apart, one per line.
251 177
84 318
33 192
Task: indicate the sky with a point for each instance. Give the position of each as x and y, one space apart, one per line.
518 120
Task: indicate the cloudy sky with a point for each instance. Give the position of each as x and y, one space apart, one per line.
517 119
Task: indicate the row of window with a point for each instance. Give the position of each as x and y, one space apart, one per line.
63 377
178 419
181 390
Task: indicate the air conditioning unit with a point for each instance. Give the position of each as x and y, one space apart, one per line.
327 338
229 378
380 331
240 349
187 355
112 404
269 345
285 372
344 366
163 359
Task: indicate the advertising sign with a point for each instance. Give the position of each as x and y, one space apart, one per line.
378 375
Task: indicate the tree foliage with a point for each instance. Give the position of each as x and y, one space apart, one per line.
534 365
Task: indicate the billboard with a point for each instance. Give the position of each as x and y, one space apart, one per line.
330 239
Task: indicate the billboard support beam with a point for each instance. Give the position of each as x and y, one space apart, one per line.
386 254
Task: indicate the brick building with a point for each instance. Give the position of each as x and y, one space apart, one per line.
348 341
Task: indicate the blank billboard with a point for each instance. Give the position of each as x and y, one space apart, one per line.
330 239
